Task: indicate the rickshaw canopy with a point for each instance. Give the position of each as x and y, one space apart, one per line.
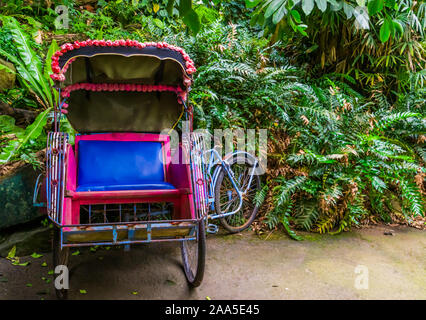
123 85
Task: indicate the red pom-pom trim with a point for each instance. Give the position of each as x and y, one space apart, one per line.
59 74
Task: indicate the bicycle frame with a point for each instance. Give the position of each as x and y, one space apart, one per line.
215 160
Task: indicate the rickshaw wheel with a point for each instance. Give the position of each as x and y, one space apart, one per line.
60 257
194 257
241 166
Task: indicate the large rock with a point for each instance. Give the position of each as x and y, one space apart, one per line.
16 200
27 241
7 79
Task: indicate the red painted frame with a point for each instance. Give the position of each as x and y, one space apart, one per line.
177 173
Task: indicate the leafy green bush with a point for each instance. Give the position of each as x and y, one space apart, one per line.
35 79
335 156
377 42
345 119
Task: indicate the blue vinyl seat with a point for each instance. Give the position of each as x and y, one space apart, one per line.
120 165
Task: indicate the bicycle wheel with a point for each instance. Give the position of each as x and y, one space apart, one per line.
194 256
226 197
60 257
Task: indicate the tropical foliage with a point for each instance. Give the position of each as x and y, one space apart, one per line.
340 157
378 42
33 77
338 84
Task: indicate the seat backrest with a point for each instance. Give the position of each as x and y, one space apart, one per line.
105 163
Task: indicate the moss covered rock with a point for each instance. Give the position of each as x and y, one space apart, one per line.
16 200
7 78
27 241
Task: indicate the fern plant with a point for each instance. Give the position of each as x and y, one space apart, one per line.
335 156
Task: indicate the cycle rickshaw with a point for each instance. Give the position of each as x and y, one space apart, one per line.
120 183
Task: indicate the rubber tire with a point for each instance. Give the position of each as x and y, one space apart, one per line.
60 257
195 280
221 175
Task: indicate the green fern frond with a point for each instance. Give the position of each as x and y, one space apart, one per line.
307 213
286 188
411 193
387 121
260 196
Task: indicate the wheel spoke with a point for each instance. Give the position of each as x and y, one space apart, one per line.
241 217
193 255
249 185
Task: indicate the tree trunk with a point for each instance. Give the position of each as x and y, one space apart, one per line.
23 117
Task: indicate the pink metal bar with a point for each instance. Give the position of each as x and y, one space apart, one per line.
176 174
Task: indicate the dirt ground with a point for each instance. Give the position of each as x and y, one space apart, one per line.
242 266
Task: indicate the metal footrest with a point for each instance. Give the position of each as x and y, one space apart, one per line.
212 228
123 234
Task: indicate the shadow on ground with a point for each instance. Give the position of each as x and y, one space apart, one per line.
241 266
